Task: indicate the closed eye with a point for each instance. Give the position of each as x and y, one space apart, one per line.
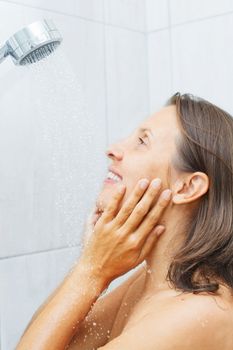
141 141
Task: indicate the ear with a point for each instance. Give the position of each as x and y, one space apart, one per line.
190 188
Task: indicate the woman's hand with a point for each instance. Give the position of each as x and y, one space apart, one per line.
121 239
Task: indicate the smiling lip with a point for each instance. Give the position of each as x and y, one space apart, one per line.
114 172
112 181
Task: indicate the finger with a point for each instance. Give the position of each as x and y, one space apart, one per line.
150 242
143 206
92 217
112 208
153 216
131 202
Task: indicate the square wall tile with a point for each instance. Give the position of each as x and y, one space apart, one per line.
126 13
184 11
127 89
202 62
156 15
159 67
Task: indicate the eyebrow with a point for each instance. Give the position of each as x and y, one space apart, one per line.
146 129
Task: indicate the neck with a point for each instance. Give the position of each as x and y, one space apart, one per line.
157 263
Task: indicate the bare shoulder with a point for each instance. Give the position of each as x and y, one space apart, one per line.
200 321
207 311
188 321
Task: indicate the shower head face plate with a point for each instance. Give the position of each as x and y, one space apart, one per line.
34 42
39 53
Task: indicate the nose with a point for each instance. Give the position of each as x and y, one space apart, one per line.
115 152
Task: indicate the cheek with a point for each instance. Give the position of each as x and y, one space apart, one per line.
131 188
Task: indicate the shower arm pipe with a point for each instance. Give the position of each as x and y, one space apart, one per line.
3 52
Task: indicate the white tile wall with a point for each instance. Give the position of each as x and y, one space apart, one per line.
27 168
60 6
125 13
184 11
159 68
157 16
127 89
202 60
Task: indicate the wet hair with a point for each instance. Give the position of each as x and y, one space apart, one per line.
206 145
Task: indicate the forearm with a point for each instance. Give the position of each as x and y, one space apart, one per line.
58 321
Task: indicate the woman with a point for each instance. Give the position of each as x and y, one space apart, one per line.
183 299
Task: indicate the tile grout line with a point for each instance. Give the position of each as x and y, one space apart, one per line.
193 21
37 252
115 25
170 46
147 58
203 19
70 15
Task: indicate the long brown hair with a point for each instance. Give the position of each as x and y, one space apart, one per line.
206 145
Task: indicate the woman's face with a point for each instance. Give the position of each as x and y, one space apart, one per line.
143 154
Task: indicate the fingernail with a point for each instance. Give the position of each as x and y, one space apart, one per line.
156 183
144 183
166 194
160 230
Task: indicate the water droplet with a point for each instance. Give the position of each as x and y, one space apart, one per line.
65 134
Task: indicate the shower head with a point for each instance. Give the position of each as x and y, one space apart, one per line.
32 43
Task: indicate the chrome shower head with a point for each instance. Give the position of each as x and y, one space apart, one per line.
32 43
